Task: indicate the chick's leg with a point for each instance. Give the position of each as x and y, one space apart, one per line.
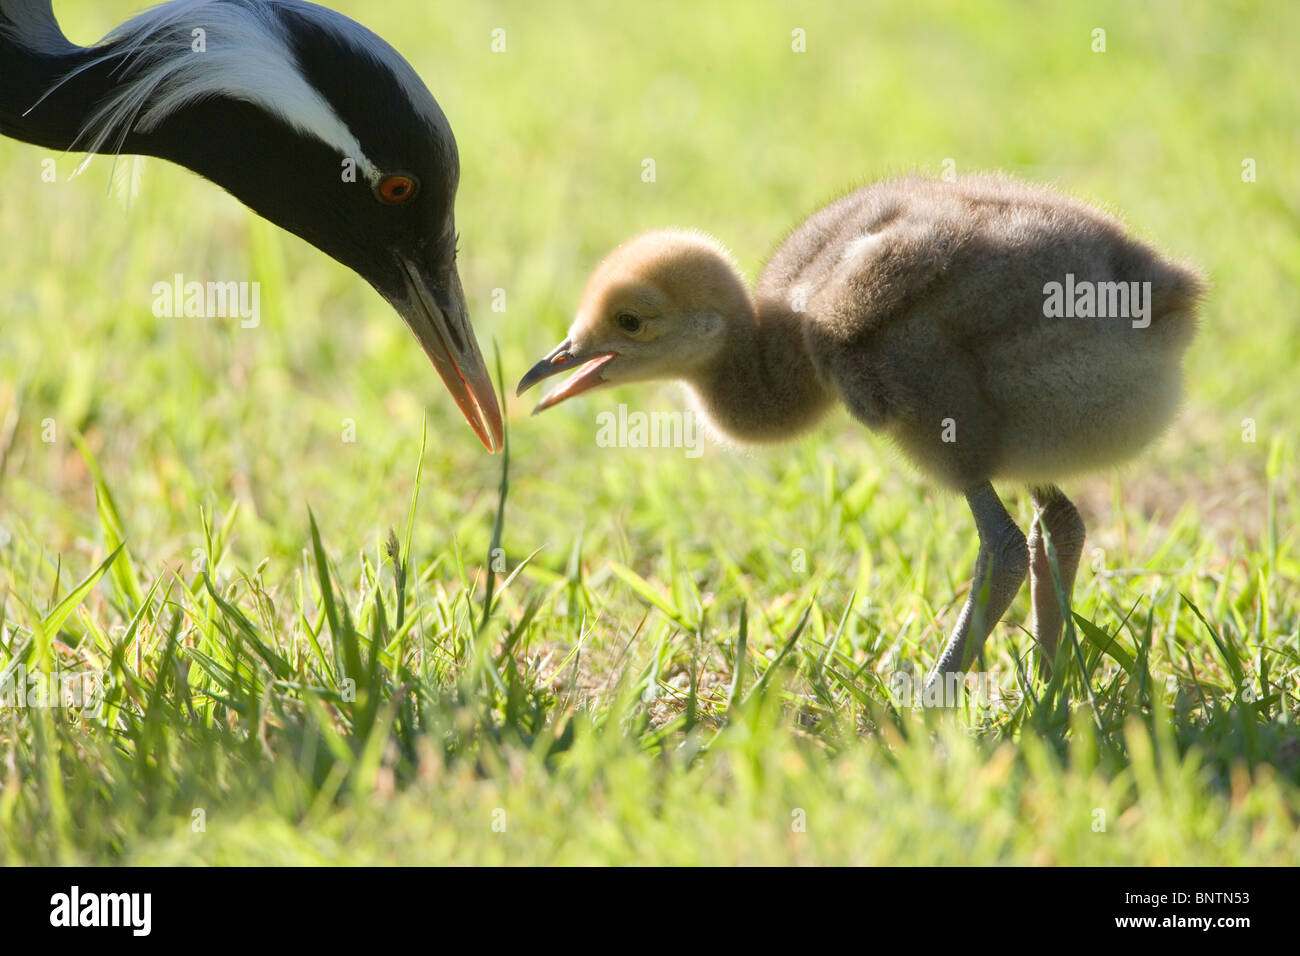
999 571
1057 521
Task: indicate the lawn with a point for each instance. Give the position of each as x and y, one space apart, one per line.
332 629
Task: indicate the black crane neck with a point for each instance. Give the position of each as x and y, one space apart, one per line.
47 98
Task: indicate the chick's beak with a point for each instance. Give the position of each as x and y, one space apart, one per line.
562 358
440 320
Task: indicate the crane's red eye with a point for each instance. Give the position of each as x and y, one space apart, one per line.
397 188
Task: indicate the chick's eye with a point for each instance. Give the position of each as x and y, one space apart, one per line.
628 322
397 188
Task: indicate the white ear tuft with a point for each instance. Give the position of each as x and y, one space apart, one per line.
188 50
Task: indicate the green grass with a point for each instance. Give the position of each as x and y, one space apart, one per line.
669 659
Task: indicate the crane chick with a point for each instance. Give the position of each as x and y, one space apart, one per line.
991 329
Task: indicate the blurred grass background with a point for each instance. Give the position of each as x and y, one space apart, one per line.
246 426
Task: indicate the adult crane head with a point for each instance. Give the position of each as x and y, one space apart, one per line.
302 114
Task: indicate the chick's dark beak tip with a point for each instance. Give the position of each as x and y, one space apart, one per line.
556 361
586 375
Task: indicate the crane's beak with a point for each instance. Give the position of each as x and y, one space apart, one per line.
440 320
561 359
